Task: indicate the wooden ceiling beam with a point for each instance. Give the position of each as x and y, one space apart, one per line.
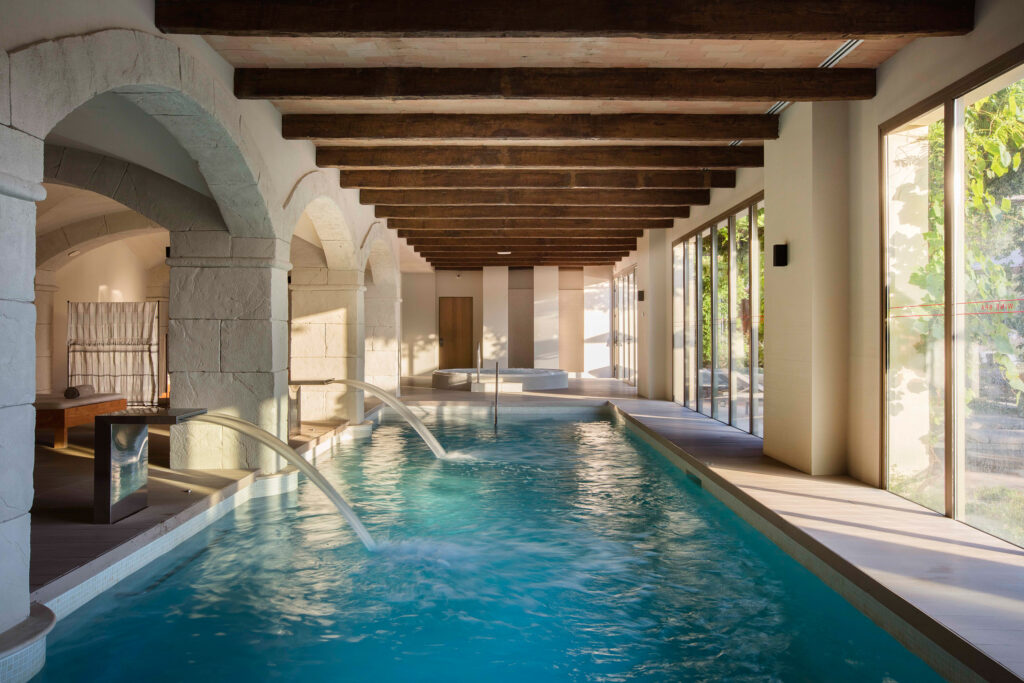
551 179
477 264
523 156
581 237
498 238
444 252
471 211
631 85
332 128
751 19
556 225
535 197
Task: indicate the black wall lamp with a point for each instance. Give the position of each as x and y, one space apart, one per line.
780 255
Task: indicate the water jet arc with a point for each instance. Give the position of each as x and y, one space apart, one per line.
293 458
401 409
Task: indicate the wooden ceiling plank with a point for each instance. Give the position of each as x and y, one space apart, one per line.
523 156
554 225
478 211
553 179
620 84
328 128
751 19
536 197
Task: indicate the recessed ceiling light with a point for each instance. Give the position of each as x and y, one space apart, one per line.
504 253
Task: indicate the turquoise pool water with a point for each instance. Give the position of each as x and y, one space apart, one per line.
554 550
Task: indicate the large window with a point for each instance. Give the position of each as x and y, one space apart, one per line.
626 326
717 314
954 317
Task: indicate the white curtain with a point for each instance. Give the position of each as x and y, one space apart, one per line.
115 348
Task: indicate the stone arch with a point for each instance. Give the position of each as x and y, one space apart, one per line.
163 201
51 79
315 198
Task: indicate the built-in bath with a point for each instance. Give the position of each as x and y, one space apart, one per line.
510 380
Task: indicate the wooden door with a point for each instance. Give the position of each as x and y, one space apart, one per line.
455 331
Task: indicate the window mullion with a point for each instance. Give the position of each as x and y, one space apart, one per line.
954 295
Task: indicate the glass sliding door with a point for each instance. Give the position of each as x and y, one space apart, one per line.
720 315
915 324
679 322
691 312
740 320
757 321
717 308
988 306
954 324
625 351
705 290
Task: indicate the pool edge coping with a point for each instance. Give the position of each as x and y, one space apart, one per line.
944 650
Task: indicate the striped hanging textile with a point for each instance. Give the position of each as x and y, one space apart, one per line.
115 348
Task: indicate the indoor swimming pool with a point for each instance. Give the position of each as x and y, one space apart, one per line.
555 548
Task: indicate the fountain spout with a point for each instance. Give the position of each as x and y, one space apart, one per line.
289 454
400 408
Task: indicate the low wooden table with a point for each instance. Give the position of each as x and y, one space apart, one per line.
61 414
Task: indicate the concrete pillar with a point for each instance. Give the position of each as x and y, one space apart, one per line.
806 322
545 317
21 169
228 345
495 322
653 319
45 287
327 342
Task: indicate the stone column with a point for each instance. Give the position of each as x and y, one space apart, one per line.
545 317
21 168
45 287
228 345
382 364
327 340
495 306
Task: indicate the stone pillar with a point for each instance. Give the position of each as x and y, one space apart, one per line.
382 361
228 345
21 168
45 287
806 319
495 307
545 317
327 341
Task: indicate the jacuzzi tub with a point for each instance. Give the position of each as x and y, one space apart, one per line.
509 379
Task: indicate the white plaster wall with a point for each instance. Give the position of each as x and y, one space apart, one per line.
495 316
915 73
570 320
545 317
419 325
